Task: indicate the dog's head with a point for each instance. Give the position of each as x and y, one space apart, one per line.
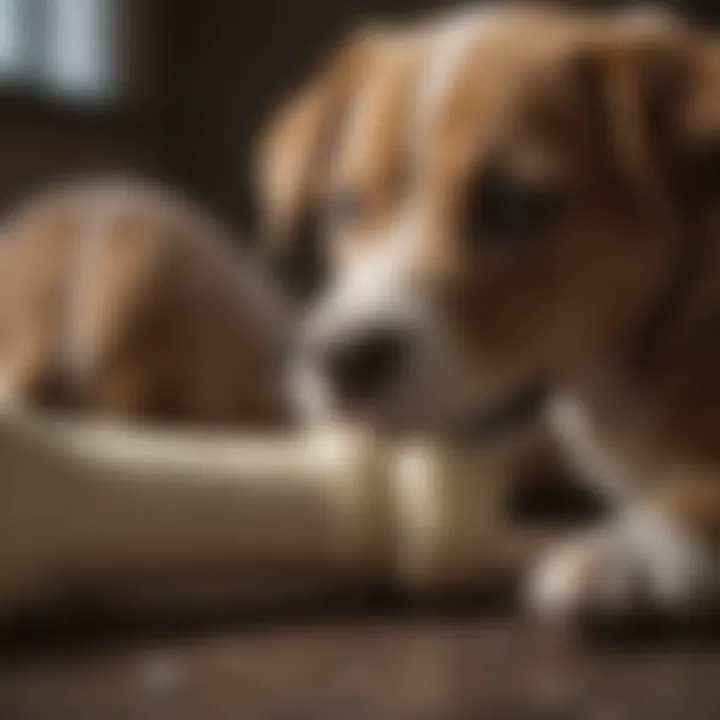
503 196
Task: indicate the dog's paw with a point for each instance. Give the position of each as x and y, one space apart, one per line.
614 573
580 576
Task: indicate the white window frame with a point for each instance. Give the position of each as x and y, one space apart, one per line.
64 50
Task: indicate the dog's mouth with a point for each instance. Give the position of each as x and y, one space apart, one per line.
506 417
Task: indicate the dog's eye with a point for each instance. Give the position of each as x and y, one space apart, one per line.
346 208
505 210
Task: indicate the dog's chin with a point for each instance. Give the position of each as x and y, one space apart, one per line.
505 418
390 420
425 409
387 417
409 410
502 421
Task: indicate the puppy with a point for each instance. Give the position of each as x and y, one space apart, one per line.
125 300
519 212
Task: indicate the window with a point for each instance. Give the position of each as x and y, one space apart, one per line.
66 50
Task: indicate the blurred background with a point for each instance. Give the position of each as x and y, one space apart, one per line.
173 88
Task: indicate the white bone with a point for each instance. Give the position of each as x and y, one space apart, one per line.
130 516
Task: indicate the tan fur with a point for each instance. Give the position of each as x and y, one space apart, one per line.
128 301
293 152
616 305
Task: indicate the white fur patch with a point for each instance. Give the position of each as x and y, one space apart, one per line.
606 570
458 36
600 443
678 567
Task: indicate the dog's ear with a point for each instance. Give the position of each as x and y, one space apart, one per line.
292 155
698 129
651 93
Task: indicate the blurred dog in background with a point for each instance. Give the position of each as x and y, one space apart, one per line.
123 299
518 219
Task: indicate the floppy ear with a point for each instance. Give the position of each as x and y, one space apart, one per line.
294 152
699 126
653 92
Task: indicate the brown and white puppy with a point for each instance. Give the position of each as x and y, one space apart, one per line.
519 213
126 300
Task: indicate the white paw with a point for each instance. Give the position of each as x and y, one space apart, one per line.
641 564
587 574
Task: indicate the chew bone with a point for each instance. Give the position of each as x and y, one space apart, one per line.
131 516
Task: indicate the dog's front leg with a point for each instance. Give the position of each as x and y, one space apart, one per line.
663 554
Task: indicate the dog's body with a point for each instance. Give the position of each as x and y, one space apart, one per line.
124 299
520 208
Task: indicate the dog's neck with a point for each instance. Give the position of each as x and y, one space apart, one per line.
622 415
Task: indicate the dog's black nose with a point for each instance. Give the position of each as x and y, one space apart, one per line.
362 366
